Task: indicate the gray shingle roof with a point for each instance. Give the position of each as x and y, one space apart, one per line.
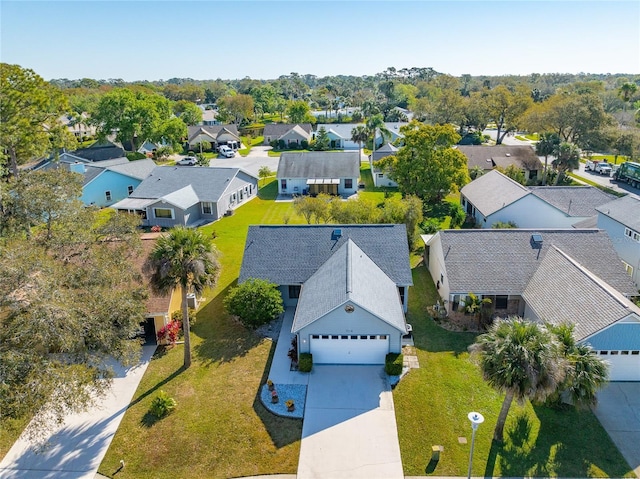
319 164
213 130
522 156
493 191
138 169
349 275
208 184
290 254
343 130
279 129
573 200
385 150
625 210
503 261
591 304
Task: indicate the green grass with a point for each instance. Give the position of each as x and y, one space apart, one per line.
280 152
529 137
613 159
10 430
249 143
432 403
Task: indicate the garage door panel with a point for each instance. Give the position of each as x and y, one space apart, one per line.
351 349
623 367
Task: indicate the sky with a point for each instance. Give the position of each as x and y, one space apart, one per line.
210 39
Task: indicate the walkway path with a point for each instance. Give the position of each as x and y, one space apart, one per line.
77 448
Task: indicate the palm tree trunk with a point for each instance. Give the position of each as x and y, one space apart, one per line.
186 328
498 434
544 173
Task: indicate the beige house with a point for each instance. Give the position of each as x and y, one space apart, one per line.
291 134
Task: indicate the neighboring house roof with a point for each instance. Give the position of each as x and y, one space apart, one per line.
100 152
349 275
573 200
503 261
625 210
590 222
488 157
343 130
394 127
176 182
212 131
319 164
209 115
279 129
591 304
290 254
138 169
385 150
493 191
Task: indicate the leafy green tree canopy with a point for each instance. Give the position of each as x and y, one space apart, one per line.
255 302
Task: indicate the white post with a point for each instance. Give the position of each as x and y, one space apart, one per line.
476 419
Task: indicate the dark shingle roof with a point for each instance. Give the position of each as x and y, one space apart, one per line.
573 200
493 191
290 254
319 164
349 275
99 153
522 156
213 130
625 210
279 129
503 261
594 305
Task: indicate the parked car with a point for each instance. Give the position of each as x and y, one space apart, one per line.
187 161
591 165
603 168
226 151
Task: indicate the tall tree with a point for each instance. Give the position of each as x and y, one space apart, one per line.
427 166
567 159
626 92
184 258
239 107
506 108
521 359
298 112
547 145
189 112
375 124
29 112
359 134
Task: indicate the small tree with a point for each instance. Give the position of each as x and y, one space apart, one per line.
264 172
255 302
201 160
477 307
323 141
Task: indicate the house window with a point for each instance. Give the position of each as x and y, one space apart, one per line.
634 235
380 175
533 174
108 195
283 185
207 208
501 302
294 291
348 183
166 213
241 194
130 189
628 268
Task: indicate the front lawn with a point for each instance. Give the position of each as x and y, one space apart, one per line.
432 404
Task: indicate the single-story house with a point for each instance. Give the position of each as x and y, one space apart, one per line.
78 129
209 117
216 135
621 220
380 177
335 173
339 134
489 157
188 195
348 283
291 134
510 267
494 197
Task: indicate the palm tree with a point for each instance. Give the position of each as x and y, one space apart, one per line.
186 258
520 358
373 125
586 372
359 134
567 159
546 145
626 92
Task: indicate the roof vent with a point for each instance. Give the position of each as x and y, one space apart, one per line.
536 239
336 234
507 154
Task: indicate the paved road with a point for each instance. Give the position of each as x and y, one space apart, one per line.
77 448
256 159
349 429
606 181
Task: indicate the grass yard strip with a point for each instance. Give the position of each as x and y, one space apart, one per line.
432 404
596 185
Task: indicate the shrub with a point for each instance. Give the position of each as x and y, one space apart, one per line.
177 316
255 302
305 364
134 155
458 215
430 226
393 364
170 332
304 144
162 405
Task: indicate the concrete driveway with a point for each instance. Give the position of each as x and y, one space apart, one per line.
256 159
618 411
349 428
76 449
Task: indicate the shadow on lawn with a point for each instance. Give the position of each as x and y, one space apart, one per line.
569 443
223 338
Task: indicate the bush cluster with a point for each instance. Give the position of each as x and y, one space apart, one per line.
305 363
393 364
162 405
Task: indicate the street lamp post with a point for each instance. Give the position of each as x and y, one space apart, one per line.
476 419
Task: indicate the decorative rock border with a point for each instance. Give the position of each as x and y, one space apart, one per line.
297 392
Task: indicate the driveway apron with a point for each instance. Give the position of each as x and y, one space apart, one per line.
618 411
75 450
349 428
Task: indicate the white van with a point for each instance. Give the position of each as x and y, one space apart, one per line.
226 151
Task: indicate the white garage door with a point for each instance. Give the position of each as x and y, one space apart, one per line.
624 365
349 349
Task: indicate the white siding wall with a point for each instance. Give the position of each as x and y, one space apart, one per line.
292 184
627 248
437 268
530 212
